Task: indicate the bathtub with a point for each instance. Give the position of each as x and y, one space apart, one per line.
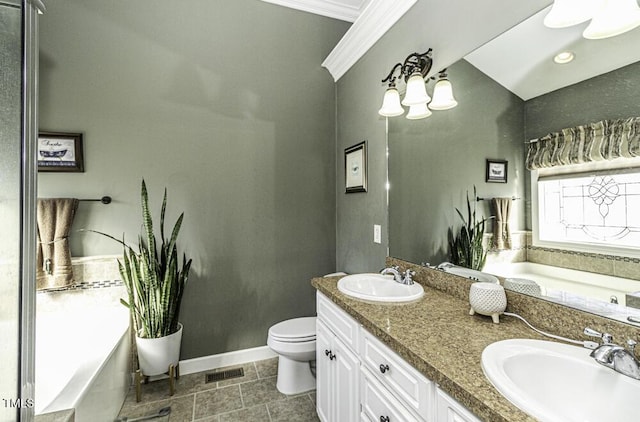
580 289
82 353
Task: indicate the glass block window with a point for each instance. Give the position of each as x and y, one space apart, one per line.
600 209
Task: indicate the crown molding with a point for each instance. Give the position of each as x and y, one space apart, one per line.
332 9
376 19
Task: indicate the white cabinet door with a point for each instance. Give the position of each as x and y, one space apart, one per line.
449 410
380 405
337 372
323 371
347 385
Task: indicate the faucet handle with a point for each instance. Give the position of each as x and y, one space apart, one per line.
408 276
632 346
606 337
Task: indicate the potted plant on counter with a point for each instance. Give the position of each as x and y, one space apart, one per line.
466 246
155 280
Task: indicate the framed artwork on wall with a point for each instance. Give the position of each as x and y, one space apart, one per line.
61 152
355 168
496 171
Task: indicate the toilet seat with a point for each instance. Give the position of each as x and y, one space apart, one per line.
297 330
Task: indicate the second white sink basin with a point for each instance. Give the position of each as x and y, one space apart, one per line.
379 288
556 382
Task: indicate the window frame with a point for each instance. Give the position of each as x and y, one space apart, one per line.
619 165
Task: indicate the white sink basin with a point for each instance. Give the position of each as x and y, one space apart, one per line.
559 382
379 288
472 274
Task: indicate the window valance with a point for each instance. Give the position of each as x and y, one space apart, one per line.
603 140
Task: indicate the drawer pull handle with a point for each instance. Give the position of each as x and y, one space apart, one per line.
384 419
384 368
330 354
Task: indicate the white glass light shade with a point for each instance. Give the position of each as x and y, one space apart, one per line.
418 111
391 103
613 18
443 96
416 91
566 13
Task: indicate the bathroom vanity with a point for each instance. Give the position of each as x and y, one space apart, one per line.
421 360
416 361
360 378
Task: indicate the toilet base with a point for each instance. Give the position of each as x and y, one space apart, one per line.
294 376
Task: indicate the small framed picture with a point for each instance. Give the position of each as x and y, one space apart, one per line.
496 171
60 152
355 168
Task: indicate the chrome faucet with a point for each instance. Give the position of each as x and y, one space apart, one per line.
407 278
615 357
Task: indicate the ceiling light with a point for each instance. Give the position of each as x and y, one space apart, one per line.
613 18
564 57
566 13
443 94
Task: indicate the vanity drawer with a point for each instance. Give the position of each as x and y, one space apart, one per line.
378 404
342 324
396 374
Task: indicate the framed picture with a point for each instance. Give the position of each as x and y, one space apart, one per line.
496 171
60 152
355 168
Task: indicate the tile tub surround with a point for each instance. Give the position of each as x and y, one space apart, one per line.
251 398
441 340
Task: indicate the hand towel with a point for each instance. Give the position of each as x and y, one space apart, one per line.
53 258
501 232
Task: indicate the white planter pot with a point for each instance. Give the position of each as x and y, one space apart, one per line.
155 355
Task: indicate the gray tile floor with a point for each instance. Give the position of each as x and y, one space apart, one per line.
253 397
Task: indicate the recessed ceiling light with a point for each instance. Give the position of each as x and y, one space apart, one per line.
564 57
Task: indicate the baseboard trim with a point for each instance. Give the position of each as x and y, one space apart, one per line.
237 357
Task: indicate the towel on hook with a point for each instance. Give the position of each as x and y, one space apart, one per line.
501 232
53 257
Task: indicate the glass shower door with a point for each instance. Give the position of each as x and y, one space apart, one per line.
18 128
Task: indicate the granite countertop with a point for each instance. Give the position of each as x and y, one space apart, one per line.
440 339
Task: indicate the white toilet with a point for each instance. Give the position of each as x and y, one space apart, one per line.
294 340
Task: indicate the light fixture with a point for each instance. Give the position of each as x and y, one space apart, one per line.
413 70
608 17
564 57
615 17
418 111
391 103
442 94
416 91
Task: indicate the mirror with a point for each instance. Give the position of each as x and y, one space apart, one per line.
508 91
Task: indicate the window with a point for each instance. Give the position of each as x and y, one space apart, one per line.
594 212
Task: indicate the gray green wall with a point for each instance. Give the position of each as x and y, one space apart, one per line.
224 103
435 162
452 33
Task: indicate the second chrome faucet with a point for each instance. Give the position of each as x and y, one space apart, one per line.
618 358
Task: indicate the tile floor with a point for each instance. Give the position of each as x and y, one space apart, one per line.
250 398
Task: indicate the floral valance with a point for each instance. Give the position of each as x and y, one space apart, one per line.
604 140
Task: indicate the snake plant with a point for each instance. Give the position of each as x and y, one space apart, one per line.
153 276
466 246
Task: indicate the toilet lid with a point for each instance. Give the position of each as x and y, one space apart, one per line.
294 330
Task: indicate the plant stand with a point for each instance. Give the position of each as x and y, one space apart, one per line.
173 372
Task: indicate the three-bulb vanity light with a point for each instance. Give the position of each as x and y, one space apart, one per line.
414 69
608 17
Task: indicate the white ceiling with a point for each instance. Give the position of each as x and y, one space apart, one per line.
521 59
346 10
